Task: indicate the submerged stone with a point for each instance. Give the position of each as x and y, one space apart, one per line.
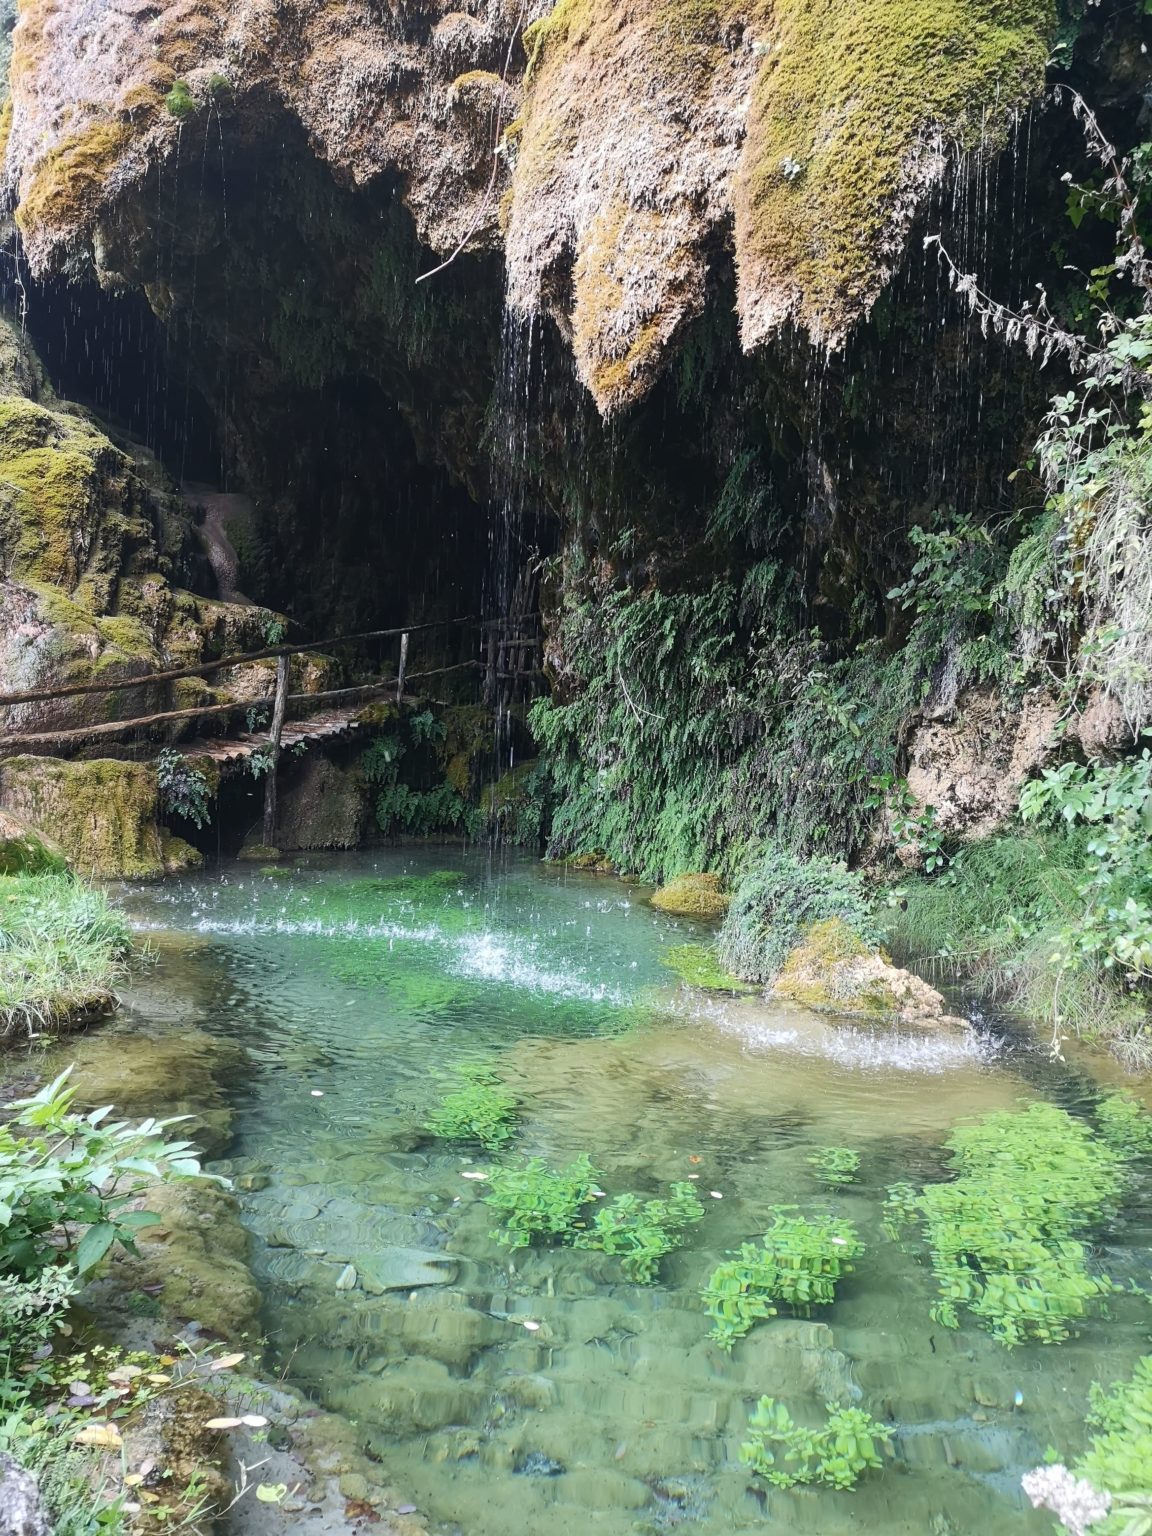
404 1269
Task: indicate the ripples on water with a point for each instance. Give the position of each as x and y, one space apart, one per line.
360 978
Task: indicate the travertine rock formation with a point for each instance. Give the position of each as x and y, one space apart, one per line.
615 149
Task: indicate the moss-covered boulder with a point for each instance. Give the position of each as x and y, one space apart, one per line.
832 970
323 805
700 896
27 852
102 813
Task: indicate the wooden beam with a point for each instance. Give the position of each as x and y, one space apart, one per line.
274 744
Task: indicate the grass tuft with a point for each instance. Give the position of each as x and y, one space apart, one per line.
62 949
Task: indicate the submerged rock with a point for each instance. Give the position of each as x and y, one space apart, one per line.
404 1269
832 970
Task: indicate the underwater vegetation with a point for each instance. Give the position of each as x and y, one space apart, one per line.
800 1262
786 1454
1009 1236
481 1109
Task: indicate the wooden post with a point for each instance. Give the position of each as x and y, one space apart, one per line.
403 666
274 745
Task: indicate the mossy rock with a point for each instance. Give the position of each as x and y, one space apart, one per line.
595 861
177 855
198 1257
25 852
259 853
103 813
832 970
699 896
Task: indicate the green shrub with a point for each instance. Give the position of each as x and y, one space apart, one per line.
777 898
801 1261
837 1166
481 1109
71 1174
835 1455
643 1231
535 1201
1007 1235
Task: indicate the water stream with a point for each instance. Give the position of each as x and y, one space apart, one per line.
353 981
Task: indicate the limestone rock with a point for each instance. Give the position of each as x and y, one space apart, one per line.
324 806
20 1510
692 896
102 812
833 971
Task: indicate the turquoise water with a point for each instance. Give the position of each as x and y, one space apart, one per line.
352 982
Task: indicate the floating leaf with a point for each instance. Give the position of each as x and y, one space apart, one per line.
254 1421
271 1493
222 1423
133 1480
226 1362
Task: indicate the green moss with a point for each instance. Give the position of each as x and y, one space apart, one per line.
102 813
818 973
847 95
699 966
24 852
180 101
699 896
68 183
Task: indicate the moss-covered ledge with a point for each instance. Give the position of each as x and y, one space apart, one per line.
103 814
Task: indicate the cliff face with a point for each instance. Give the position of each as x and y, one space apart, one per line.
611 150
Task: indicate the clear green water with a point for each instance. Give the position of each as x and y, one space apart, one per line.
352 982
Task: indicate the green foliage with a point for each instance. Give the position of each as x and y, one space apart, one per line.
785 1454
71 1174
180 101
1111 925
777 898
996 918
184 789
1119 1459
273 628
643 1231
1008 1236
800 1262
535 1201
480 1109
62 947
837 1166
421 808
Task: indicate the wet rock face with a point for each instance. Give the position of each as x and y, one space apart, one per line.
610 152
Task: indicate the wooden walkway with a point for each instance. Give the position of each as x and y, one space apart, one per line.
332 725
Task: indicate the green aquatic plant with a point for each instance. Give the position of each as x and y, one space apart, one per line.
785 1453
643 1231
1125 1125
837 1166
1119 1459
699 966
534 1201
1007 1235
800 1262
480 1109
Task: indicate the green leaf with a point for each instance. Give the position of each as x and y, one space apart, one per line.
94 1245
